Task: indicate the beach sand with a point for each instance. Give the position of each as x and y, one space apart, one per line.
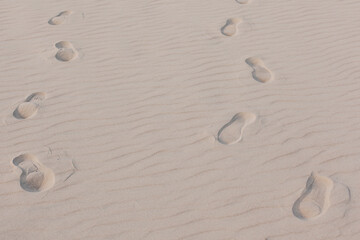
180 120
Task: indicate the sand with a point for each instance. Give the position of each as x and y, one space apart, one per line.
191 120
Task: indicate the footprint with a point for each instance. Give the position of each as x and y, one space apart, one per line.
260 73
66 51
243 1
35 177
30 107
232 132
315 199
60 18
230 27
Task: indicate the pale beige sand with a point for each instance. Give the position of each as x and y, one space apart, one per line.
126 144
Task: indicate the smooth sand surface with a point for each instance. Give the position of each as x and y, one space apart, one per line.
117 120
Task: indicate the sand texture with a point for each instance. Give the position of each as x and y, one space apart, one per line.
180 120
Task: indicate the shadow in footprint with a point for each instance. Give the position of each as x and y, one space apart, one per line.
232 132
35 177
60 18
30 107
231 27
66 51
261 73
315 199
243 1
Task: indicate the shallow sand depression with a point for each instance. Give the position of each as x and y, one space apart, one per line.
175 120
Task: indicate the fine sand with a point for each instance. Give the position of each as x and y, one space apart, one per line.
180 120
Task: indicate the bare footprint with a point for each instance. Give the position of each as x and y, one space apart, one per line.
35 177
243 1
66 51
232 132
30 107
231 26
60 18
261 73
315 199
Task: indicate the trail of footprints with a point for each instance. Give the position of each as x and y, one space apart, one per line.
66 51
315 198
260 72
232 132
35 177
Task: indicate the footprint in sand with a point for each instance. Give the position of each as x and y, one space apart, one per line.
35 177
60 18
232 132
243 1
30 107
315 199
231 26
66 51
261 73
